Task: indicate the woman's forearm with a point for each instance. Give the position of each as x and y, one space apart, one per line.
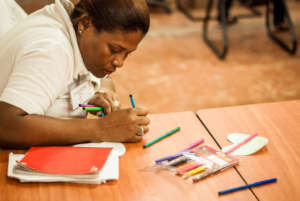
31 130
20 130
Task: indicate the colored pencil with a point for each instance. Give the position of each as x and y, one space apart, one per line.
132 101
168 158
184 166
259 183
178 161
191 167
179 154
194 171
87 105
193 145
161 137
93 108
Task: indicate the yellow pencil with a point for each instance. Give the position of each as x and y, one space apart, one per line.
194 171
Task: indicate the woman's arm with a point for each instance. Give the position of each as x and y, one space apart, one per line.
20 130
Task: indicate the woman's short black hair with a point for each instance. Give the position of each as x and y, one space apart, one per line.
109 15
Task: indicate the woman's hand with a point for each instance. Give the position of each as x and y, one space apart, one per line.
108 100
106 97
124 125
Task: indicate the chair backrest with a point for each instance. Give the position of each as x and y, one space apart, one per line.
10 14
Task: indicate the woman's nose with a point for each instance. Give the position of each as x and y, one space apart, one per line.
118 61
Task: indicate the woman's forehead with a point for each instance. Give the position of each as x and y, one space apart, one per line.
124 38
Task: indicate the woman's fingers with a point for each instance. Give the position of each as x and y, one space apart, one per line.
125 125
141 111
104 103
139 135
142 120
143 130
106 100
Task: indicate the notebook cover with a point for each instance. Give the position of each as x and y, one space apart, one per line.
66 160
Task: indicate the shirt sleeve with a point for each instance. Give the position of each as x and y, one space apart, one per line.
39 75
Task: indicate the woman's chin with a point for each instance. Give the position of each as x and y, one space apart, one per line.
99 74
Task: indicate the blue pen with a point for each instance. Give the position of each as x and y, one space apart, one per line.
132 101
259 183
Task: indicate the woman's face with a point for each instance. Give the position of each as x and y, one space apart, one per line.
104 52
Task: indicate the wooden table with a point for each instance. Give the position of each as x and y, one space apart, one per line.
280 123
137 182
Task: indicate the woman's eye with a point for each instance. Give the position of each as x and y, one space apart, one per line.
114 50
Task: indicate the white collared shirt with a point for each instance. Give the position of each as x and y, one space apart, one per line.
10 14
39 60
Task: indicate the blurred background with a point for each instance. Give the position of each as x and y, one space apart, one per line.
174 70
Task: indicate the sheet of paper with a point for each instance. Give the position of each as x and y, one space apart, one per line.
118 148
250 147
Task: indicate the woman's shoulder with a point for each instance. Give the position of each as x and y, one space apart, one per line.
28 36
36 29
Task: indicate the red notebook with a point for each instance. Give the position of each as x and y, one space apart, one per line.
66 160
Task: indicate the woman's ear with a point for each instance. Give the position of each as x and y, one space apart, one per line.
84 23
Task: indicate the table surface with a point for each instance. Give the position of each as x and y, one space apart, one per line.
280 123
138 181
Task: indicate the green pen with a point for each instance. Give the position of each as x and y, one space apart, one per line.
93 108
162 137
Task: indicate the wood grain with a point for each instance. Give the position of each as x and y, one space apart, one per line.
280 123
137 182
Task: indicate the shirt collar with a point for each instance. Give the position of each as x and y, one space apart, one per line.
65 8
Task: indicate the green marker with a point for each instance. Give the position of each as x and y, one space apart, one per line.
93 108
162 137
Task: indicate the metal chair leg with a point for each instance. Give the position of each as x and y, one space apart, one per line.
186 12
292 50
221 53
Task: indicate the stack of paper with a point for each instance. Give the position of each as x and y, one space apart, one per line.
68 164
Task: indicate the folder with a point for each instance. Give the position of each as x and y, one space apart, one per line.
98 163
65 160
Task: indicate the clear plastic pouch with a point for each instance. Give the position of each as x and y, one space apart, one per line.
198 163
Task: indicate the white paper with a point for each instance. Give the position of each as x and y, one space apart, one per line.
118 148
250 147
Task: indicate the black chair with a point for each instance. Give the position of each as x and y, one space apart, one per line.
222 51
160 3
185 11
292 50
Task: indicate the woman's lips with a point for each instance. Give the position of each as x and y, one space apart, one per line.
109 71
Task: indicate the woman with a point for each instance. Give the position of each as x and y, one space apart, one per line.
45 72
